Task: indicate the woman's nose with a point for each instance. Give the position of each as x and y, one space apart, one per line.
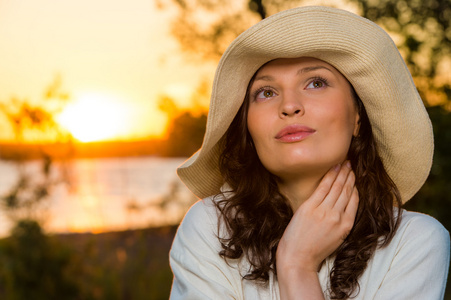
291 105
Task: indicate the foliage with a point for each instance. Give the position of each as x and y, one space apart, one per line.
185 134
123 265
422 31
34 266
434 198
30 120
115 265
206 27
26 198
186 127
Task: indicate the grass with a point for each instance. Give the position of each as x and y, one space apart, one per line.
132 264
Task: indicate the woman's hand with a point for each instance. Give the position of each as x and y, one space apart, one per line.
317 229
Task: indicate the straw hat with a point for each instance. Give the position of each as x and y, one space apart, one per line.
362 52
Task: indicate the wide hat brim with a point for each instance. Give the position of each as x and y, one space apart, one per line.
362 51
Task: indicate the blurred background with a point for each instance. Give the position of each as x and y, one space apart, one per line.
101 100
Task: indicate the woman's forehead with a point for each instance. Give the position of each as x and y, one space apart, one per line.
304 61
302 65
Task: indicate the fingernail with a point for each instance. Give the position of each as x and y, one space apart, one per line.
337 167
348 164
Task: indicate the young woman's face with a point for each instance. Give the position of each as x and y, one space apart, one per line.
301 116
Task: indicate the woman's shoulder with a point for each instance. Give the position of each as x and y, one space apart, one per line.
419 224
418 235
419 252
421 233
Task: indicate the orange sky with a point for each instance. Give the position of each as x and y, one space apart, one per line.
115 59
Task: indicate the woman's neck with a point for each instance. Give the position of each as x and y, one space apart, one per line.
298 190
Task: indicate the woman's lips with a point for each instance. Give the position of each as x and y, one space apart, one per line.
294 133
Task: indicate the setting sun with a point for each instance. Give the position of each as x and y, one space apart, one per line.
96 117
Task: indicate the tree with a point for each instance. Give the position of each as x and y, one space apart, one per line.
422 31
186 127
206 27
33 265
28 120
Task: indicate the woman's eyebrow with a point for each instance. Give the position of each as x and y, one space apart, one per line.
300 71
312 68
264 78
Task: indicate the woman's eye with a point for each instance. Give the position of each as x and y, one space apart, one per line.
316 84
264 94
268 93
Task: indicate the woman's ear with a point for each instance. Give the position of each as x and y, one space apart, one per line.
356 125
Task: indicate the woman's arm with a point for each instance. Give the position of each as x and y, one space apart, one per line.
316 230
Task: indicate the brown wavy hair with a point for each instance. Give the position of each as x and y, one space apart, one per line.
256 214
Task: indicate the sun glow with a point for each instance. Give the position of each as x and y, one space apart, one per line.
96 117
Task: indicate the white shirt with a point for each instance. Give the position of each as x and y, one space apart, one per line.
413 266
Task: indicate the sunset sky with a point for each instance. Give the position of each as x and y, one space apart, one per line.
115 59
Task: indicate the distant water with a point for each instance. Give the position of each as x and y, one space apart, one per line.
105 194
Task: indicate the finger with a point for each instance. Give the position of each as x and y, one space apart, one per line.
337 187
346 193
353 204
324 186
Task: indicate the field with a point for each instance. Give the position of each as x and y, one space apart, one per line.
129 264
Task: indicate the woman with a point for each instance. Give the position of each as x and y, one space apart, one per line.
315 138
